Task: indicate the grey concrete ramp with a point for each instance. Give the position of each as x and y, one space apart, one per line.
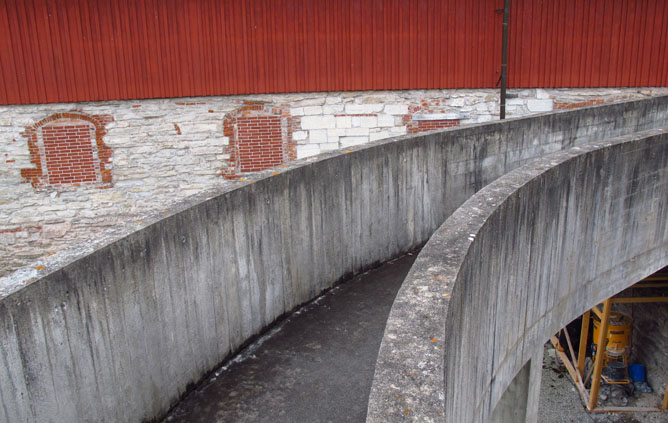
316 366
515 263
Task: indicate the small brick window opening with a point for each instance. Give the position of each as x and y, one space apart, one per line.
70 154
66 149
258 138
260 142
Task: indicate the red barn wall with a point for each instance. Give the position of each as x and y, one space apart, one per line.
80 50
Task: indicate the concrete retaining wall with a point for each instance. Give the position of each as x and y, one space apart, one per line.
118 334
514 264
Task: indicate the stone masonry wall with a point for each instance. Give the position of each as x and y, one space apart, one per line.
131 158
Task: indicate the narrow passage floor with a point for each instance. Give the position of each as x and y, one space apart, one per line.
315 366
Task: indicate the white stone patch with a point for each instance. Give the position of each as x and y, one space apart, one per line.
317 135
312 110
399 130
338 132
329 146
360 109
318 122
332 109
385 120
299 135
356 131
541 94
540 105
350 141
307 150
344 122
368 121
396 109
379 135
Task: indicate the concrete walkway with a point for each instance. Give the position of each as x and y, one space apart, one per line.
315 366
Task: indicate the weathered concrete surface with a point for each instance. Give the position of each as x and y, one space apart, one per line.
131 325
518 261
315 366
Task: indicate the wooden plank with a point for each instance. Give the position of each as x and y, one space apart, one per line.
629 300
597 312
571 369
582 350
625 410
600 351
570 349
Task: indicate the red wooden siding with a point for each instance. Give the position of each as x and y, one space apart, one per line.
76 50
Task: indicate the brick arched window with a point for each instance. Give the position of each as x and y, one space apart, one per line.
259 135
67 150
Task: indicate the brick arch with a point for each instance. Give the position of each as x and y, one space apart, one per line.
67 149
259 137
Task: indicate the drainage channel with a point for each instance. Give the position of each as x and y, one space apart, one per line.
315 366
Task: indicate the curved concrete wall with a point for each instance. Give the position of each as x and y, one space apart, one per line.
119 334
514 264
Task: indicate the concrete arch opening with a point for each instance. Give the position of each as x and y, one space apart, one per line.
514 264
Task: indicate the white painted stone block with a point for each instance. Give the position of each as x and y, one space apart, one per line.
379 135
338 132
307 150
359 109
333 100
350 141
332 109
540 105
332 139
541 94
368 121
329 146
385 120
312 110
343 122
355 132
297 111
318 122
398 130
299 135
355 121
396 109
515 102
317 136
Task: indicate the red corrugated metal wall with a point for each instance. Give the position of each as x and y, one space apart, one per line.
588 43
76 50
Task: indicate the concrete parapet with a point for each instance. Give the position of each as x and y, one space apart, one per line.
120 333
516 262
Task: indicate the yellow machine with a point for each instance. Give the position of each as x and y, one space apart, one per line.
618 348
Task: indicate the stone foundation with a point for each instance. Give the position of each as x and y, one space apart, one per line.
146 154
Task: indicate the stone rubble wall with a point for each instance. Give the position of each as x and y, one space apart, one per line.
166 150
